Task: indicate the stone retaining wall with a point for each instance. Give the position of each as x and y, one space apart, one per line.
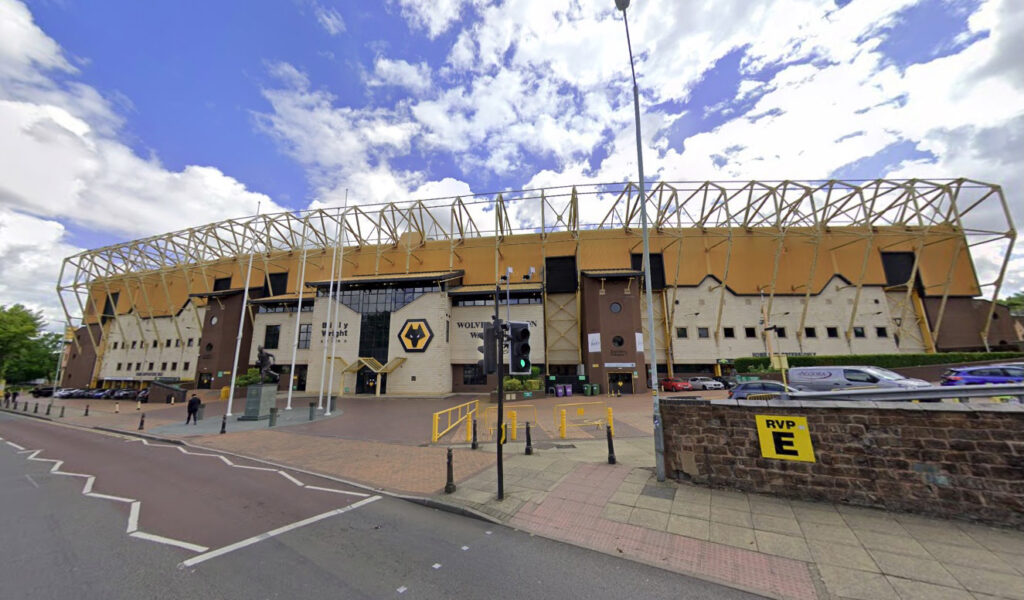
949 460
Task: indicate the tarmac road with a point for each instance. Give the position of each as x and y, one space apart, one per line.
58 543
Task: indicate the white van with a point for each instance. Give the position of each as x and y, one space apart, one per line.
821 379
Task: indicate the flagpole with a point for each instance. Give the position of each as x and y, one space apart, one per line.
241 319
330 306
298 312
334 326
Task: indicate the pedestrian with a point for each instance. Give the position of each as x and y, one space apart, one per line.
193 410
14 396
7 397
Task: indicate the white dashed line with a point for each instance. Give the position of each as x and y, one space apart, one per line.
488 532
436 566
195 560
15 446
30 480
464 548
401 590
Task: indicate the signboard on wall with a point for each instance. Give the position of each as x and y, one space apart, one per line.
593 342
415 335
784 438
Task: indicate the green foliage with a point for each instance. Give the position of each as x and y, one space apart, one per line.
888 361
1015 302
533 385
25 352
252 376
512 384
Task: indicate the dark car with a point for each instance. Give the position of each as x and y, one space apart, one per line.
143 396
124 394
728 382
674 384
745 389
42 392
983 374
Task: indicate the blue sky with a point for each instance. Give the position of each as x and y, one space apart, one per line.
171 115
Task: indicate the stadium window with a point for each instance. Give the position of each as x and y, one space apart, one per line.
168 344
185 366
833 332
858 332
174 366
750 332
780 331
681 333
272 336
881 332
305 333
118 366
190 342
473 375
702 332
163 366
133 344
177 343
150 366
115 346
155 343
138 366
810 332
729 332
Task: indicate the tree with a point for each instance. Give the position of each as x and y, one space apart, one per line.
1015 303
18 327
37 360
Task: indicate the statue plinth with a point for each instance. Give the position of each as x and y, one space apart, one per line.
259 399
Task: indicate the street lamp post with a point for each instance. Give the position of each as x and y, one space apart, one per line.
659 441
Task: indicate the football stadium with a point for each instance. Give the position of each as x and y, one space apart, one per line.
391 298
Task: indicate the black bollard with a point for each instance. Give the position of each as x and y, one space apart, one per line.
25 408
142 421
611 446
529 440
312 410
48 407
62 412
273 418
35 410
449 486
224 424
475 445
86 410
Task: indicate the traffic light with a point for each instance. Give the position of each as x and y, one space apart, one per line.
519 348
490 362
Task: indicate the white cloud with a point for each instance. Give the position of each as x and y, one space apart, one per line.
63 163
414 77
433 15
329 19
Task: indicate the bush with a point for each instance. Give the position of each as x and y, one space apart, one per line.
534 385
251 377
512 384
888 361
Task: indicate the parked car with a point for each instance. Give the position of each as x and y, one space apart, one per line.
675 384
125 394
96 394
728 382
824 379
64 393
706 383
42 392
983 374
742 390
143 395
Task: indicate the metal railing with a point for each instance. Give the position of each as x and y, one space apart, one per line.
454 417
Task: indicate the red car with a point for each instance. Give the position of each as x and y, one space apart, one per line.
674 384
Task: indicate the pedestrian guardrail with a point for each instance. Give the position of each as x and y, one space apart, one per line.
581 414
1003 392
524 413
452 418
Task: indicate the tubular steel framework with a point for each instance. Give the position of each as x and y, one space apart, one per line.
976 212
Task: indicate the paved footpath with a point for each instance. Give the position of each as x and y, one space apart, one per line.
567 491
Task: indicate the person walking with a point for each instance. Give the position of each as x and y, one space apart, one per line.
193 410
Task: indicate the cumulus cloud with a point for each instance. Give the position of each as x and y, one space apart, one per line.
64 164
329 19
414 77
435 16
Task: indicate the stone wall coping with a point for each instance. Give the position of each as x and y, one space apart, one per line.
1008 407
997 407
726 402
752 403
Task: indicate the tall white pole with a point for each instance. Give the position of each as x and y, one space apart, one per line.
659 440
241 320
298 314
330 313
334 328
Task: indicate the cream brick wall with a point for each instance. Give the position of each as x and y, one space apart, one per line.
346 350
698 307
432 368
125 330
466 321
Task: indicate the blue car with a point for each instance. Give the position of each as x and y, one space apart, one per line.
983 374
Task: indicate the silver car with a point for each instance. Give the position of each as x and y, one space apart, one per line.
706 383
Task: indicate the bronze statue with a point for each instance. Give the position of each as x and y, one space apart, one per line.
264 361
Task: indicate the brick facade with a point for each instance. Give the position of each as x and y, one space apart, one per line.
948 460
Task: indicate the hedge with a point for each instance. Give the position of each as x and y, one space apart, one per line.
889 361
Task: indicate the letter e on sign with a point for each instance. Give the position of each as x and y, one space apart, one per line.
784 438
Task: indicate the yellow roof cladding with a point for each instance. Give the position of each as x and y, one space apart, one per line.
278 298
387 277
486 288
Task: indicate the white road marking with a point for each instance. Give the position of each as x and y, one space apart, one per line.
133 517
488 532
436 566
464 548
292 479
30 480
195 560
401 590
323 489
13 445
169 541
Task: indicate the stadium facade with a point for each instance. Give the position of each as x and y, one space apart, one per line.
738 269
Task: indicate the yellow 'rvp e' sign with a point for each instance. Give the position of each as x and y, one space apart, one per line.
785 438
